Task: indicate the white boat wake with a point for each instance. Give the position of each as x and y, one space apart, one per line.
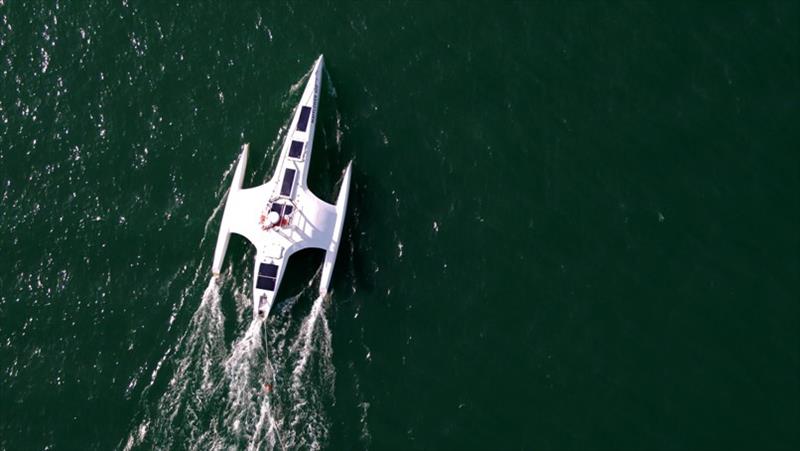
238 399
311 380
194 377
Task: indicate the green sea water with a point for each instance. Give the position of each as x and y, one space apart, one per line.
572 225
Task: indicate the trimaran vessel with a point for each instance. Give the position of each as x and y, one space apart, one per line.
283 216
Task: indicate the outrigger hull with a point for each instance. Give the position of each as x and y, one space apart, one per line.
283 216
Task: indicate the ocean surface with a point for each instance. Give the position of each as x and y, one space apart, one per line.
572 225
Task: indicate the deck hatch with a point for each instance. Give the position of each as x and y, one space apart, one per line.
296 149
267 273
265 283
268 269
302 122
288 182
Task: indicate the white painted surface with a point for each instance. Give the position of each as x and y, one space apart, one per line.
313 222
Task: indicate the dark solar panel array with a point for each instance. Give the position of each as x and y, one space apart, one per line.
287 210
267 274
268 269
288 182
296 149
302 123
276 207
265 283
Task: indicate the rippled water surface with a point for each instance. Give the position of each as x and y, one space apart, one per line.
571 226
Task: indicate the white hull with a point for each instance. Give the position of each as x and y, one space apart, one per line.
305 221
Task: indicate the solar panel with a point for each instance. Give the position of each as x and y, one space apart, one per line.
302 123
288 182
265 283
268 269
276 207
287 210
296 149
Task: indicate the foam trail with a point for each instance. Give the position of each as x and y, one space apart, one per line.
329 82
250 416
300 83
269 428
312 374
241 371
269 414
240 388
264 416
194 378
306 337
